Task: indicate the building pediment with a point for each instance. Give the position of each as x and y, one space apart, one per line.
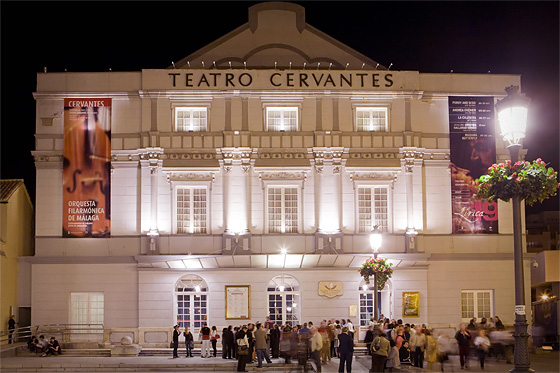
277 36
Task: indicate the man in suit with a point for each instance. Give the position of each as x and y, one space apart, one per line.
346 350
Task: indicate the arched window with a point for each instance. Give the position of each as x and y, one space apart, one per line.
367 302
284 305
191 305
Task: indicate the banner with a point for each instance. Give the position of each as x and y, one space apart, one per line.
86 174
473 150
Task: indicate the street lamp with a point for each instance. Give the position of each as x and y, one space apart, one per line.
512 115
375 242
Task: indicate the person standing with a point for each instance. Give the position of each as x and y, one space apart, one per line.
393 361
316 343
418 344
482 344
324 331
227 340
345 350
189 342
260 346
214 336
380 351
463 338
175 341
11 328
275 341
242 349
350 328
205 337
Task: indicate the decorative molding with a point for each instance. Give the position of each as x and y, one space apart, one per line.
191 176
330 289
372 155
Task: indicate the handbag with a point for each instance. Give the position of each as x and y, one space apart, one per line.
243 350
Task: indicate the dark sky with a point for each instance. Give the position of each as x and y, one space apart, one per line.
467 37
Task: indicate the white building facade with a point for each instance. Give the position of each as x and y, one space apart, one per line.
265 159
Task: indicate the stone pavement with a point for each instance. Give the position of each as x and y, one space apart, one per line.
543 362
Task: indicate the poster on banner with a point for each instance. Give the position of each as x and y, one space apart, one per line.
472 151
86 173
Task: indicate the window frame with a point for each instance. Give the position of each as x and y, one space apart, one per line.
373 107
187 185
176 108
283 107
283 185
89 309
475 303
295 292
204 285
373 184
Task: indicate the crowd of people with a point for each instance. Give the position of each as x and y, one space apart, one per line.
393 344
398 344
262 341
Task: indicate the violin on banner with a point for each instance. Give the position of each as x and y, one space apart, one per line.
87 168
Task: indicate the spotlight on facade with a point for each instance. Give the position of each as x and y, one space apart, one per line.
364 287
281 287
283 251
289 309
197 288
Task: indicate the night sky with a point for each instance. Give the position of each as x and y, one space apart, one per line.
466 37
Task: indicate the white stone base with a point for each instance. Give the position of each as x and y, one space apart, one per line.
126 350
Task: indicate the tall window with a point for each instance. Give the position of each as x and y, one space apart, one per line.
86 309
282 209
191 119
282 118
371 119
283 300
476 303
373 208
367 301
191 294
192 210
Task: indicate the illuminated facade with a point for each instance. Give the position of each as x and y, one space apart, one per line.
275 137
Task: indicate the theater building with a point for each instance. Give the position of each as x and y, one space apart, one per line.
244 182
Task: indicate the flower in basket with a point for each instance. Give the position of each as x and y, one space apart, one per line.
376 265
531 181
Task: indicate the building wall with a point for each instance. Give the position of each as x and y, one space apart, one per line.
16 222
52 285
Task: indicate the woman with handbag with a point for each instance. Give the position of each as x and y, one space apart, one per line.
242 349
189 342
214 336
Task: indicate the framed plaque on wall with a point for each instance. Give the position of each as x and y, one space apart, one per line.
411 304
238 300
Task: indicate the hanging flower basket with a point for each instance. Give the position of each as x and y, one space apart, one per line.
379 266
533 182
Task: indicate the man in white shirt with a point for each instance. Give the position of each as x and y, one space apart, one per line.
316 343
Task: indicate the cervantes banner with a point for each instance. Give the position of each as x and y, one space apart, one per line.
86 174
473 150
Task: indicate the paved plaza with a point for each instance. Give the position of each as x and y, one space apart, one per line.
542 362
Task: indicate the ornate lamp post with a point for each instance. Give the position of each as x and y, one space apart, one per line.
512 115
375 242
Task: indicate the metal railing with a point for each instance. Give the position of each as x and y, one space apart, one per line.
66 331
18 334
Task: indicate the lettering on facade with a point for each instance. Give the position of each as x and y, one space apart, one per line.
282 80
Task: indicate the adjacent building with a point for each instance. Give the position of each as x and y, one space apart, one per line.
244 180
16 235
